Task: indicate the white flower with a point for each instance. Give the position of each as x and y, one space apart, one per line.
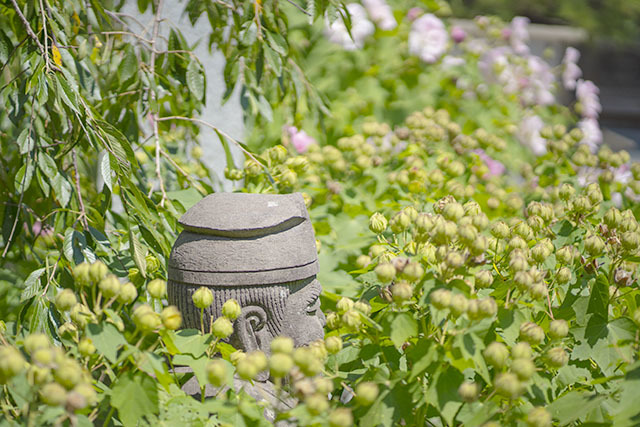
519 35
361 28
381 14
428 38
529 134
571 72
587 95
450 61
592 133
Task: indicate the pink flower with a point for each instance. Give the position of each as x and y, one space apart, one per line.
587 94
381 14
450 61
571 72
591 131
496 168
361 28
519 35
299 139
529 134
458 34
413 13
428 38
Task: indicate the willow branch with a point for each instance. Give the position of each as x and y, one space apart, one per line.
28 27
83 212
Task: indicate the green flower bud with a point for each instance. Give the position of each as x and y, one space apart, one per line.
558 329
483 279
363 261
500 230
518 263
202 298
11 363
277 154
38 375
171 318
153 264
531 333
97 271
146 319
424 222
521 350
53 394
68 373
413 272
401 291
523 368
453 211
454 260
400 222
377 250
128 293
535 223
594 245
363 307
217 372
309 364
86 347
630 241
67 328
467 233
231 309
563 275
507 385
523 230
636 317
88 392
157 288
459 304
75 401
487 307
81 315
35 342
411 212
341 417
65 300
440 298
540 252
523 280
366 393
237 356
317 404
333 321
480 221
539 417
280 364
258 359
333 344
469 391
81 274
377 223
538 291
282 345
565 255
613 218
556 357
222 327
344 304
496 354
245 369
566 192
109 286
351 319
385 272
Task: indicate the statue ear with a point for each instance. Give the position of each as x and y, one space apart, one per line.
252 329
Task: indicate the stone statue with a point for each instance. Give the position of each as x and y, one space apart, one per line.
258 249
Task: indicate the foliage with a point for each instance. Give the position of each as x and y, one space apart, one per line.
458 290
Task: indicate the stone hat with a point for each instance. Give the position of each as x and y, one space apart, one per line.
240 239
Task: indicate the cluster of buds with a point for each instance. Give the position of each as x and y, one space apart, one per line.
349 314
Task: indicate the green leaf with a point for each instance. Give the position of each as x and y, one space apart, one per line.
402 328
5 48
75 247
199 365
66 93
186 198
129 65
195 79
62 189
105 170
186 341
22 180
25 141
277 43
47 165
134 396
32 284
37 314
138 253
573 405
107 339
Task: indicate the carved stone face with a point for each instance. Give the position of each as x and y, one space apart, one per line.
304 321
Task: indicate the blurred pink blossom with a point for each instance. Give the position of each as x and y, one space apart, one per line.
592 133
519 35
413 13
529 134
299 139
361 28
428 38
381 14
496 168
458 34
587 94
571 72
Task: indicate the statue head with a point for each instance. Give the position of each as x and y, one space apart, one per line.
258 249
